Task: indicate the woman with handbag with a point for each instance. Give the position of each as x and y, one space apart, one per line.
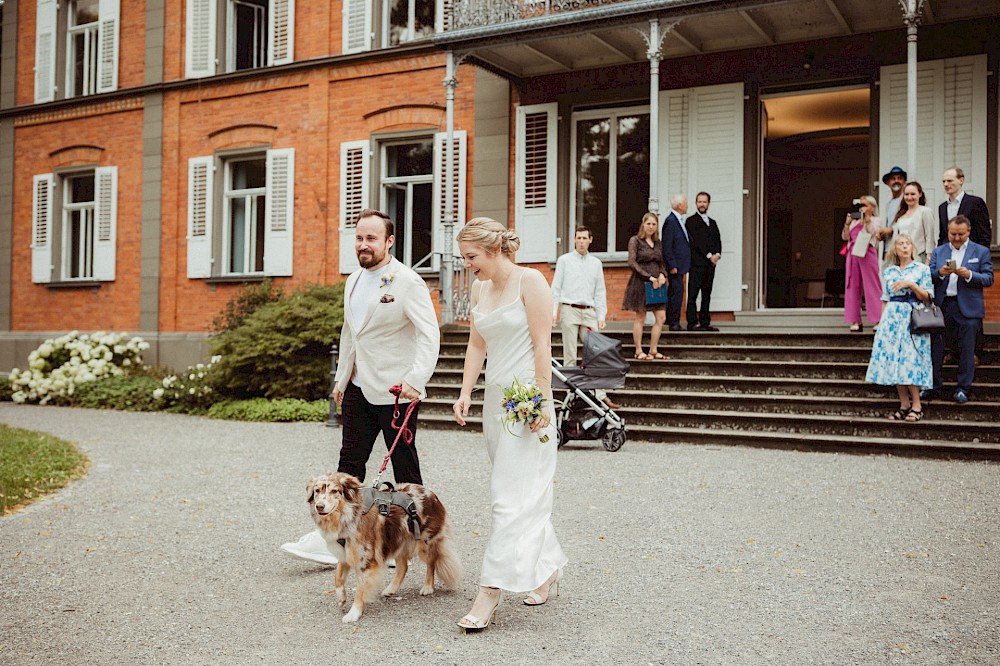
900 357
862 229
649 273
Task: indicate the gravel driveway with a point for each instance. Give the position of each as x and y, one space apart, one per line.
167 553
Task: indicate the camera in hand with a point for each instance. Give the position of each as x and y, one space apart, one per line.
856 207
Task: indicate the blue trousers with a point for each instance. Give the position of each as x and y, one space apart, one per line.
961 335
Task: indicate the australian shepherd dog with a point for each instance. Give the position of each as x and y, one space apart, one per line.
365 542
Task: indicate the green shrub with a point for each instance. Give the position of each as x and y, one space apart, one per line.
129 393
5 389
245 303
281 349
259 409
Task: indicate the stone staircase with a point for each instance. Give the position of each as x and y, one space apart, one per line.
801 390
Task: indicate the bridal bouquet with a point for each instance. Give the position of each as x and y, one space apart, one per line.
522 402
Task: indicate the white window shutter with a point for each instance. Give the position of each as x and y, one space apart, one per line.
199 44
279 212
201 179
45 51
107 57
357 29
459 138
701 131
281 32
106 216
535 182
355 165
951 122
41 228
442 18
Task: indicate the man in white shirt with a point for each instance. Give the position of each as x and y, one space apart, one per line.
579 296
390 337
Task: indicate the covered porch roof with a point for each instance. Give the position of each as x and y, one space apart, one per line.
523 39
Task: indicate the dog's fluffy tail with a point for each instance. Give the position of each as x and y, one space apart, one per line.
447 568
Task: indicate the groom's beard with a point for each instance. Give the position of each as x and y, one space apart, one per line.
367 258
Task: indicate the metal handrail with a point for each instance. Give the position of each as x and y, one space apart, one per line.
461 285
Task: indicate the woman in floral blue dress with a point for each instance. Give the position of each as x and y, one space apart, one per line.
899 357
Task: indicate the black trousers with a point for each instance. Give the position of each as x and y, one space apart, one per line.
675 294
700 279
362 422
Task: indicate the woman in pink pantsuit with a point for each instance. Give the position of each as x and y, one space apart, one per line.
862 272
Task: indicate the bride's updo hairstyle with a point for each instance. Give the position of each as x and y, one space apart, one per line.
490 235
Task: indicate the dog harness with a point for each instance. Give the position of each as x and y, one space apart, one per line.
385 499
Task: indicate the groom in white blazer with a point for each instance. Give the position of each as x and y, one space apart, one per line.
390 336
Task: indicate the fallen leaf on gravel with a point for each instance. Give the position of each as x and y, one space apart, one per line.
736 570
750 541
914 556
799 572
600 537
943 598
904 648
437 647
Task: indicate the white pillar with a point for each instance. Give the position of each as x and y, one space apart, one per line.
654 54
447 254
911 17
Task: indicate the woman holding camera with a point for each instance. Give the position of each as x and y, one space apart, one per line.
861 230
899 357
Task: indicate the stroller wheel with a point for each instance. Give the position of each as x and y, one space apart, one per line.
614 439
560 438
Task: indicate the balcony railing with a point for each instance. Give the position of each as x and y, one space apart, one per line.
480 13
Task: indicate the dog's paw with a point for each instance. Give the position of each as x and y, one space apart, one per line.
426 590
353 616
390 590
341 596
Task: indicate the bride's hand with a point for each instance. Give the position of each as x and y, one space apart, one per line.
461 408
541 422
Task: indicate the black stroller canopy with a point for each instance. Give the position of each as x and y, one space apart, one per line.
602 356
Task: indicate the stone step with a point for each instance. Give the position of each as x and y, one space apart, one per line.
905 441
636 403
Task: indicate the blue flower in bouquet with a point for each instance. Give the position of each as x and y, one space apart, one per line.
522 402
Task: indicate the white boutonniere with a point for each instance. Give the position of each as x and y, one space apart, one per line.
387 279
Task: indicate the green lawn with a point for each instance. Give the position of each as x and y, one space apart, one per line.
33 464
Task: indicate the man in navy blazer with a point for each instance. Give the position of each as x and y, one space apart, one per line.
961 269
677 257
963 203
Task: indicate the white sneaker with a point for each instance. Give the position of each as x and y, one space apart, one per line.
312 547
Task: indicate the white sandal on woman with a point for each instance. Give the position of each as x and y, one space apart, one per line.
535 599
471 624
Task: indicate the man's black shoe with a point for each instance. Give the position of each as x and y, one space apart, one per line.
930 394
694 327
675 327
708 328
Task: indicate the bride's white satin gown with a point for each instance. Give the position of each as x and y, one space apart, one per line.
523 550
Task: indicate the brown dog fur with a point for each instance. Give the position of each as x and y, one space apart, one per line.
335 503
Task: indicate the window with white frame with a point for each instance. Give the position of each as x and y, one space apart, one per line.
610 175
247 229
372 24
80 39
410 186
253 34
74 220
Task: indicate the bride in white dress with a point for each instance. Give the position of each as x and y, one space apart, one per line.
511 330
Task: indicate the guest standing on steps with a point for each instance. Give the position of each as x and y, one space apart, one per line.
645 258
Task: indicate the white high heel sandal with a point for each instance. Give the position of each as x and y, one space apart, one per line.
472 624
535 599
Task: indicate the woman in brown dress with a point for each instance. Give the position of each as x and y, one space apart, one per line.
645 258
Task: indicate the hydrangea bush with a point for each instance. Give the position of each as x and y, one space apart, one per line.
58 366
189 391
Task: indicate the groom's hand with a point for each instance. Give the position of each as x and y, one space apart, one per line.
408 392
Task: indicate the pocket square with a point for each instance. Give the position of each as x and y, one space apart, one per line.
386 299
974 260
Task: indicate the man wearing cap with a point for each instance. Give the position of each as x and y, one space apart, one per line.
895 178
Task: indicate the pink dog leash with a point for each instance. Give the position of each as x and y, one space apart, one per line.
403 430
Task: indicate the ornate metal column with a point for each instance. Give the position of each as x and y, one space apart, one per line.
654 42
447 254
911 17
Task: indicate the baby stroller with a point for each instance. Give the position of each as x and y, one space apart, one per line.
582 415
